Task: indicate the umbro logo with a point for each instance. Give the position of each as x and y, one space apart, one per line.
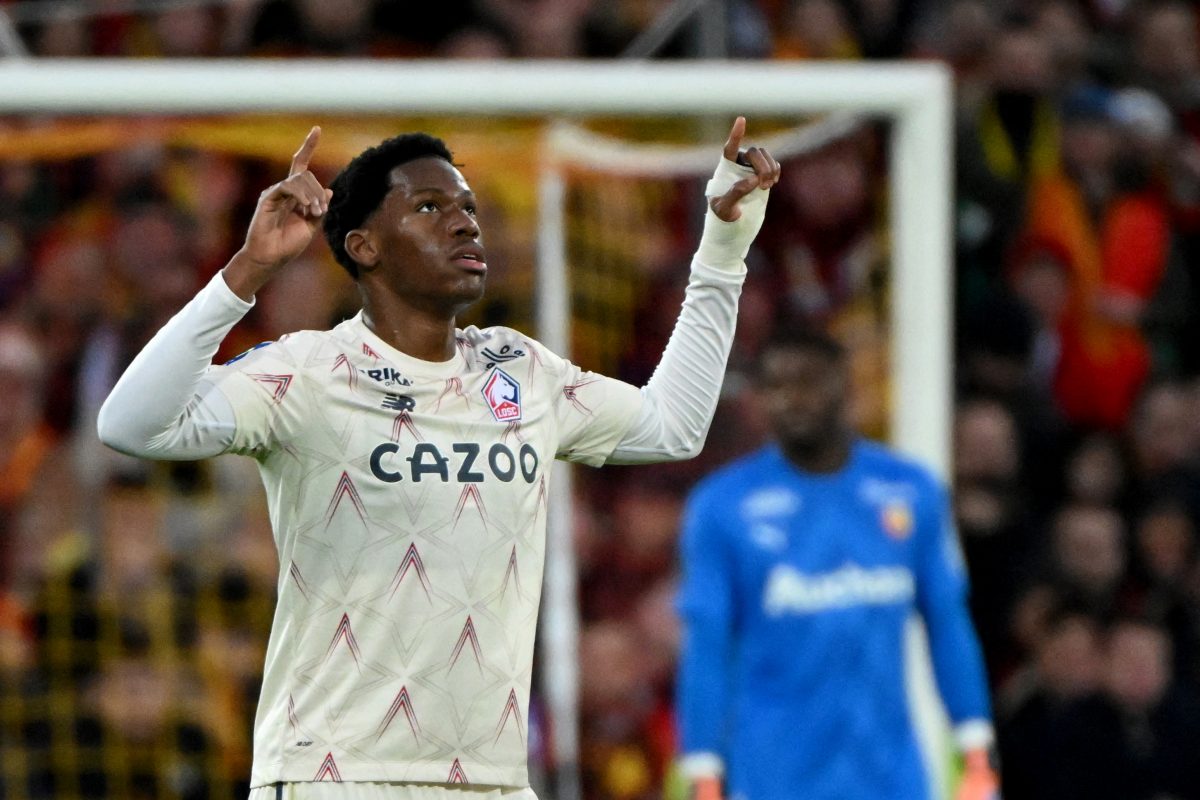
387 376
398 402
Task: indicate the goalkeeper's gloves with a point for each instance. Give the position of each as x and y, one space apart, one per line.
979 780
708 788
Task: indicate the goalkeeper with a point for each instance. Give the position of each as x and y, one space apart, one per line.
802 564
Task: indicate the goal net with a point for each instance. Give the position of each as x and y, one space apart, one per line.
590 179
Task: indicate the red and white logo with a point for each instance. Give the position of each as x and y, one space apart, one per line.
503 396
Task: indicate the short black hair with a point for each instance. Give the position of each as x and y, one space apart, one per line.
361 186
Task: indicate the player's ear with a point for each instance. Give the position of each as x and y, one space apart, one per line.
360 244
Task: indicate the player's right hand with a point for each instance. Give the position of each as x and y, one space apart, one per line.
288 213
706 789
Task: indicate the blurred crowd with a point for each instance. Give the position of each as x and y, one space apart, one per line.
135 598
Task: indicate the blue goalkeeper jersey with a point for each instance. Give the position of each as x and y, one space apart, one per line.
795 596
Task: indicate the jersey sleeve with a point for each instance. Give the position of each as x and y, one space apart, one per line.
173 403
706 606
162 406
266 390
942 600
681 396
592 411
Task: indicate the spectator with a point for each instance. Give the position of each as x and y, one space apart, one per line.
1115 239
26 442
1041 711
291 27
816 29
1166 54
961 35
1138 741
1065 28
1165 562
543 28
1009 134
1089 557
991 510
1097 474
1163 437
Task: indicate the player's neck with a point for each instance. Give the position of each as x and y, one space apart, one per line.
822 458
420 333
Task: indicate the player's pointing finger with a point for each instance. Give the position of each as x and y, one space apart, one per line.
305 153
734 142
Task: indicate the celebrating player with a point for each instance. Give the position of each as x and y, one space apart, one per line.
802 564
407 463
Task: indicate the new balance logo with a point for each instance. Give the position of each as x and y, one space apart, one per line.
387 376
398 402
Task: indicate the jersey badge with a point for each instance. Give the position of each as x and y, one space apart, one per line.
896 516
503 396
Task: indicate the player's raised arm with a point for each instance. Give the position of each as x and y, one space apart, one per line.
161 407
681 397
285 219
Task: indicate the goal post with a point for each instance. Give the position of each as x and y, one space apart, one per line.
916 98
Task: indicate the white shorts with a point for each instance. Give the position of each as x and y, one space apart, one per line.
328 790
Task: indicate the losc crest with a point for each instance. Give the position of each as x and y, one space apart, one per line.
503 396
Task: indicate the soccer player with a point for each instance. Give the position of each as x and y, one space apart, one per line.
802 563
407 464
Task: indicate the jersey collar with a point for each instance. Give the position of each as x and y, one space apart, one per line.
456 365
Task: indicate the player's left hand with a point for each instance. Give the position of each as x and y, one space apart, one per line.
979 780
766 173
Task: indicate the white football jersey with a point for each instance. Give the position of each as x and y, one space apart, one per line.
408 501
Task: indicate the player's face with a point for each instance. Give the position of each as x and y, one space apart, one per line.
430 246
804 394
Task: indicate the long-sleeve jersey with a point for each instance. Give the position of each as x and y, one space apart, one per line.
408 503
796 593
